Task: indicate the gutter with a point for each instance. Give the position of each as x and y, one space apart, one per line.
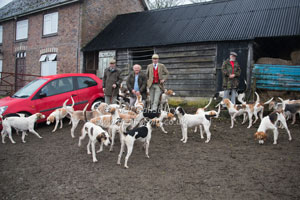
39 10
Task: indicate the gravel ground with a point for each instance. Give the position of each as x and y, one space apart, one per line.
231 166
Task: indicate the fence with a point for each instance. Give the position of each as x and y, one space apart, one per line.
11 82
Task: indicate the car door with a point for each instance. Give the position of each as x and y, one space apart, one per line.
87 87
54 94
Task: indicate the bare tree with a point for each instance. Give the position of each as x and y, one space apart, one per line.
201 1
155 4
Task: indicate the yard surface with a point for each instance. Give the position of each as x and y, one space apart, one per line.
232 166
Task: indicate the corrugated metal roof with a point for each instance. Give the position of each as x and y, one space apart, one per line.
277 77
211 21
23 7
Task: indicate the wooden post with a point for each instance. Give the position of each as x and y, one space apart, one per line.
249 69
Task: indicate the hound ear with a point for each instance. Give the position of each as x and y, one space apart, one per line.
255 135
51 119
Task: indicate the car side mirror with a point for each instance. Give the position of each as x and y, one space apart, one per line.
42 95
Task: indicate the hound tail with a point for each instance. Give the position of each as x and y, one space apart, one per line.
94 104
283 103
208 103
257 98
84 112
268 102
73 102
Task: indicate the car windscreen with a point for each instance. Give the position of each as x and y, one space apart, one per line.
29 89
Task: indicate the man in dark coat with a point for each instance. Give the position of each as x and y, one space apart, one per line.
231 73
137 84
111 82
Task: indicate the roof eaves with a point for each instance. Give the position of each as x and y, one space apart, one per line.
38 10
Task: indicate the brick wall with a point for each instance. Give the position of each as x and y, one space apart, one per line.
96 15
78 23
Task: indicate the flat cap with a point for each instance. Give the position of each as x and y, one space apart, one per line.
233 53
155 56
112 61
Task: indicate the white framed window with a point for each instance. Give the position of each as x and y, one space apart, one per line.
1 34
0 68
50 23
48 64
22 30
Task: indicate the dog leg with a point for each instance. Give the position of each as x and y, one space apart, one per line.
31 130
208 133
201 132
56 124
129 144
61 123
250 114
83 134
162 128
147 148
294 118
195 130
23 136
245 117
275 131
93 151
261 114
3 135
232 121
182 131
121 153
10 136
101 148
185 130
113 134
88 147
74 125
255 116
284 124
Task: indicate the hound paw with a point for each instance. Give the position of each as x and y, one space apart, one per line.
100 151
274 142
95 160
24 141
147 156
126 167
89 153
207 141
290 139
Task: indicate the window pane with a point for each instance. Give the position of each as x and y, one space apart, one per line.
50 23
84 82
22 30
58 86
48 68
1 34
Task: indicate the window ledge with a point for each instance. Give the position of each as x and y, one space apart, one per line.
21 40
49 35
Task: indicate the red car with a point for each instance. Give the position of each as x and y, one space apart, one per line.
47 93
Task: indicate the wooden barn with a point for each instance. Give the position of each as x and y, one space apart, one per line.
194 40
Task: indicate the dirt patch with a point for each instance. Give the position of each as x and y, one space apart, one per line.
231 166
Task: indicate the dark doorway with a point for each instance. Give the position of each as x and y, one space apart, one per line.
20 70
224 49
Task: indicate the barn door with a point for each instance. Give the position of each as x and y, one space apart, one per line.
20 70
104 58
224 49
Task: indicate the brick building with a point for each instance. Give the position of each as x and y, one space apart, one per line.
45 37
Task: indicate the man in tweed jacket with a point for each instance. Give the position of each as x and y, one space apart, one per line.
157 74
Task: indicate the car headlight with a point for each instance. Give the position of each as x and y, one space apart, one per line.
3 109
